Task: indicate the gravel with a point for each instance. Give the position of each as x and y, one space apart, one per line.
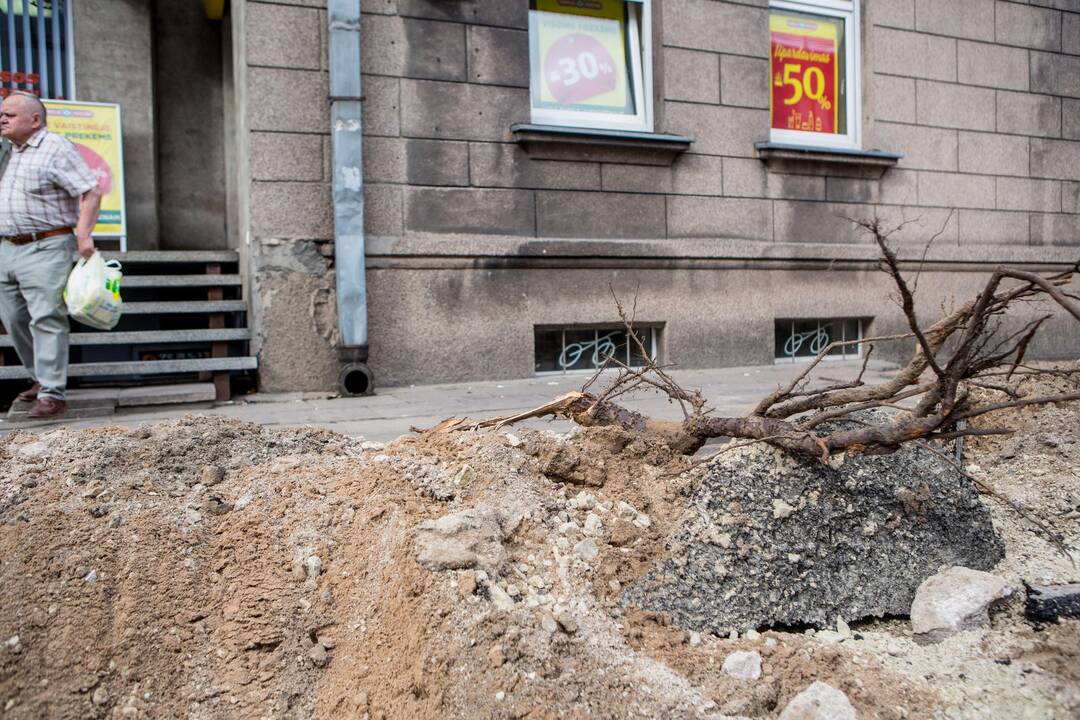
784 541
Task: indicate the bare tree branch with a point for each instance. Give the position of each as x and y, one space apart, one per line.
906 298
965 349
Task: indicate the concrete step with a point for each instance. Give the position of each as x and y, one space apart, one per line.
103 402
207 280
144 367
173 256
185 306
146 337
179 394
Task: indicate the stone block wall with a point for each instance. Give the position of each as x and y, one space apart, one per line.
981 96
992 87
287 223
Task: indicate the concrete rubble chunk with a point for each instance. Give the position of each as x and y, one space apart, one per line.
584 501
496 656
745 665
212 475
567 622
468 539
500 598
318 656
1050 603
820 701
953 600
743 561
587 550
570 529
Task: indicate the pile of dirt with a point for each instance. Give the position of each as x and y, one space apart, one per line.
204 568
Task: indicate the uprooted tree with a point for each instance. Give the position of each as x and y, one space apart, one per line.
966 349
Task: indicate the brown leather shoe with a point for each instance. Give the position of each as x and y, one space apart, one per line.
29 394
47 407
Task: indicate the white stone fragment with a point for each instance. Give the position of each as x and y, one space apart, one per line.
819 702
953 600
587 550
585 501
499 598
781 509
593 525
570 529
745 665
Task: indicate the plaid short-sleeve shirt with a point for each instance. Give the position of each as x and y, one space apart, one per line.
42 184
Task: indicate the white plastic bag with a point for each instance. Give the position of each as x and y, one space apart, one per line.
93 292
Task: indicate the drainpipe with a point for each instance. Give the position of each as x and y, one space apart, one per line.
348 184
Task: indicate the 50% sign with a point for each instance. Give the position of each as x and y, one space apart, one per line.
809 83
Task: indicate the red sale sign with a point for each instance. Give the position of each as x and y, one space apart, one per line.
577 68
805 77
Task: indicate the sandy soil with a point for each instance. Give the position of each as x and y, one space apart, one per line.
206 568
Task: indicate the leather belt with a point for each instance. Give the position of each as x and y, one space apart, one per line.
31 237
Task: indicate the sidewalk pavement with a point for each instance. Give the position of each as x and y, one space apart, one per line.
392 411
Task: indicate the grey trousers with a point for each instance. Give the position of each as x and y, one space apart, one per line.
32 280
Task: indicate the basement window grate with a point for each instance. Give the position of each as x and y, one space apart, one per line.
802 340
566 349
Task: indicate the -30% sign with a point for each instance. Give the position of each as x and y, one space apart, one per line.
579 67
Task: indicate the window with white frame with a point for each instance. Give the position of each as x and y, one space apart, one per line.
35 48
814 72
591 63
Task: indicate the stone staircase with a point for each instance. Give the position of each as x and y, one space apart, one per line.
183 336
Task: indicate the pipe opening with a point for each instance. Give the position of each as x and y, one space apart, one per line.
355 380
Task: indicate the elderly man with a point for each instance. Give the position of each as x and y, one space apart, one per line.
49 202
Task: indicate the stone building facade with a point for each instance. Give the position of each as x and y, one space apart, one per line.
477 237
490 240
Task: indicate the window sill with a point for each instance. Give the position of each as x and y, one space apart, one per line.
804 158
549 142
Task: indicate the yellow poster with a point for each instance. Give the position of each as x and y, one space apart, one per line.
94 128
582 55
